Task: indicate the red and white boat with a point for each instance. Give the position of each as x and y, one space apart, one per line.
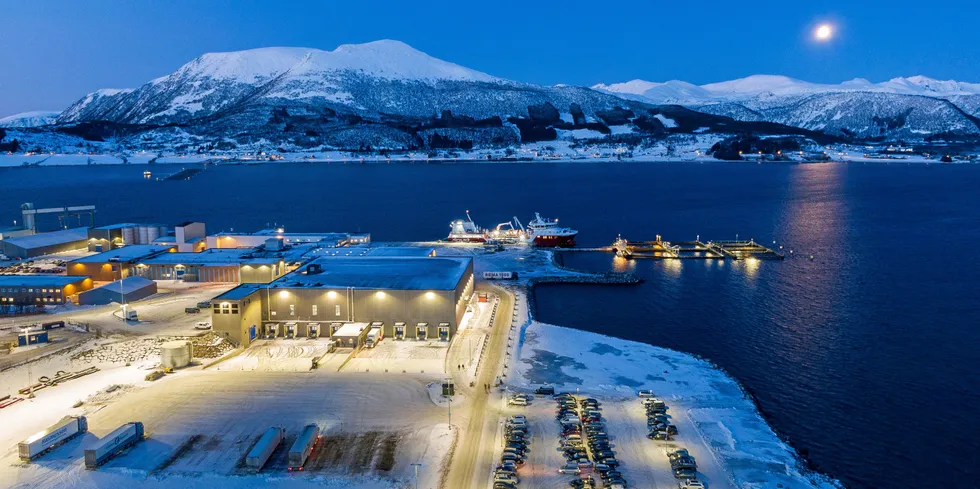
547 232
466 231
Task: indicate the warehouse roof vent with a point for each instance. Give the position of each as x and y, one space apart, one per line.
313 269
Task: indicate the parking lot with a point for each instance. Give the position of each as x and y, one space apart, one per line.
204 422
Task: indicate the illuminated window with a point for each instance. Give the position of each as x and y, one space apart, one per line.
292 309
337 309
314 310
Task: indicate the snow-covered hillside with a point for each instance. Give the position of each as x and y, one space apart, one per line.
30 119
898 108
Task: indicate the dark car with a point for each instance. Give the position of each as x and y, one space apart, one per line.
545 390
610 462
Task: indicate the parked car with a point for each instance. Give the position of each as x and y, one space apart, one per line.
516 401
192 310
203 325
204 304
569 468
545 390
690 484
644 393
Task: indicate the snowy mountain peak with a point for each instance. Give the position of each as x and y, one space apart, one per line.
30 119
382 59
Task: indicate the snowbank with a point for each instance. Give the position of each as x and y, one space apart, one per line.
725 418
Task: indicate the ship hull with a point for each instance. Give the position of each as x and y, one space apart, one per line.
555 240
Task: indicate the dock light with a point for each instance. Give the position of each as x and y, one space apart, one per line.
331 295
379 294
430 295
283 294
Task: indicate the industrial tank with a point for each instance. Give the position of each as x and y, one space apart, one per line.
176 354
129 235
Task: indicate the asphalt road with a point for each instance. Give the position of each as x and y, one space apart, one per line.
473 457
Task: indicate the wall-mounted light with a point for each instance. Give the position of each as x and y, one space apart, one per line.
430 295
283 294
331 295
379 294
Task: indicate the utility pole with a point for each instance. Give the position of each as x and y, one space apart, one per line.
450 413
416 467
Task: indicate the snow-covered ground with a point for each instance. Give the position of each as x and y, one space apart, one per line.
717 421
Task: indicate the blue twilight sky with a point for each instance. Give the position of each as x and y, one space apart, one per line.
54 52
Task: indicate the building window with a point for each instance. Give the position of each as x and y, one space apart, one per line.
314 310
292 309
337 309
272 313
234 309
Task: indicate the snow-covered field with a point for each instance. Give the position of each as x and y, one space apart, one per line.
716 420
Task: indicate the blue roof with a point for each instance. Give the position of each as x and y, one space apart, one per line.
53 238
124 254
382 272
38 280
239 293
126 285
212 257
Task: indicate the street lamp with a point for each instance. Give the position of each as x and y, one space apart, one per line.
416 467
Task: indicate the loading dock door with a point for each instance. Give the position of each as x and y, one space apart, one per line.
313 330
251 333
421 331
399 331
443 331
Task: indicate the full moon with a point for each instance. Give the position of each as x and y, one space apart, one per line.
824 32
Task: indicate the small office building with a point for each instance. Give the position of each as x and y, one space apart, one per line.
35 290
416 298
123 291
40 244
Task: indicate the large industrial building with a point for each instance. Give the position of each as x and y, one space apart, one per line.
114 264
34 290
408 297
122 291
105 238
259 238
45 243
235 266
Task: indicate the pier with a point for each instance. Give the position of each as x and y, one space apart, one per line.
659 249
184 174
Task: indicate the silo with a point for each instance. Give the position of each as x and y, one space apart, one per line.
129 235
152 233
176 354
144 234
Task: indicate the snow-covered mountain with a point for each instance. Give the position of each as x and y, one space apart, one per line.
35 118
911 107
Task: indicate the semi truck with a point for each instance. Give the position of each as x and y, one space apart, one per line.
41 442
303 446
120 439
374 337
260 453
500 275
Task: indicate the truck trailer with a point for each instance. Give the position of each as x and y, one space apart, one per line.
303 446
122 438
43 441
260 453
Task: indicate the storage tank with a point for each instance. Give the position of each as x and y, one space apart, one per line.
129 235
176 354
152 233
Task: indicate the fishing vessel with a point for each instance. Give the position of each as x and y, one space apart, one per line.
466 231
547 232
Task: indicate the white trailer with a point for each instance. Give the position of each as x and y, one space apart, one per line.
374 337
41 442
303 446
500 275
122 438
260 453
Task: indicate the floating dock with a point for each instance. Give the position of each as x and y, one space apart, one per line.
659 249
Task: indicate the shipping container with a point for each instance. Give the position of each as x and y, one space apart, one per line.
53 325
32 338
260 453
122 438
62 431
303 446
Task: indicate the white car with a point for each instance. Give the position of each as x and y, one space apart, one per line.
517 401
203 325
518 418
691 484
644 393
